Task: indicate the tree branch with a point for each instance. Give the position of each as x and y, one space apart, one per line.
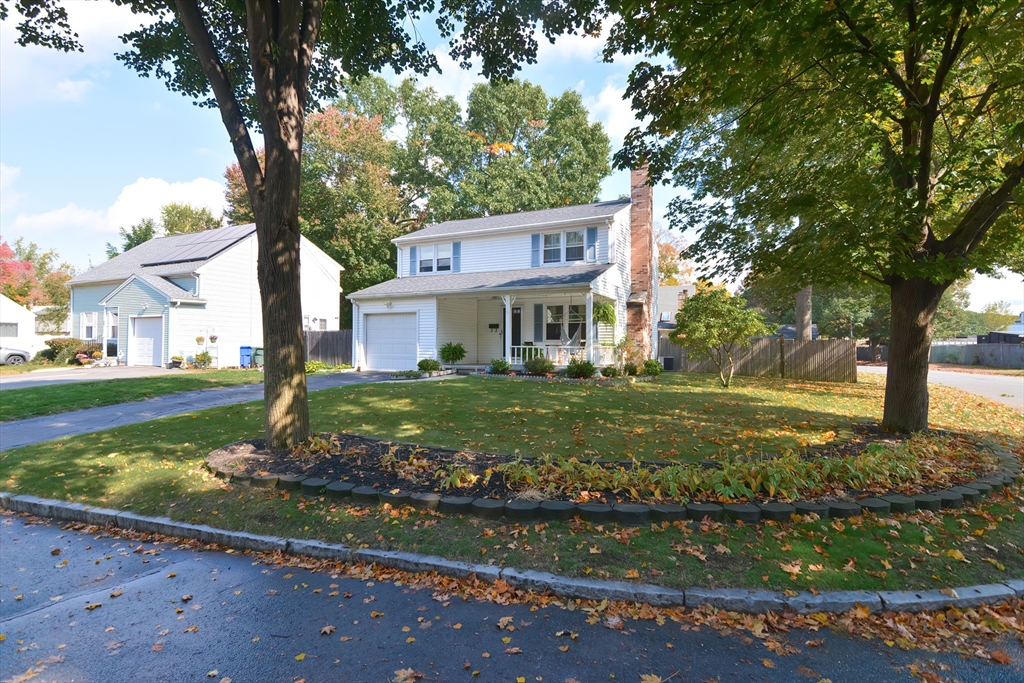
195 26
312 19
985 210
871 51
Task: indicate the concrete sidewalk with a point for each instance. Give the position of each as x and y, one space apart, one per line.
39 429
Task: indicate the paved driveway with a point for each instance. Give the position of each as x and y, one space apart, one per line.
1001 388
39 429
252 622
43 378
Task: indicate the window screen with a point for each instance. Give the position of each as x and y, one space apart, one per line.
574 245
427 259
553 248
444 257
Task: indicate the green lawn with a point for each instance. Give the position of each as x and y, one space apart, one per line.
18 404
156 468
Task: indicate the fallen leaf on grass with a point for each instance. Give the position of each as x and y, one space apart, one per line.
632 574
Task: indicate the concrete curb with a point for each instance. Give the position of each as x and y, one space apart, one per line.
732 599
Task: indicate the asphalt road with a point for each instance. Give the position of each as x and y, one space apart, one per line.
250 622
38 429
44 378
1002 388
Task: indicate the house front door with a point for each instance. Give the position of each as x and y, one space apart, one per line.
517 326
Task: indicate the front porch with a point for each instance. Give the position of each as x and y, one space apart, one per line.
519 326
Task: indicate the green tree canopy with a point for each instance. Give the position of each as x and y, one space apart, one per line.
177 218
143 231
716 324
829 142
350 206
514 149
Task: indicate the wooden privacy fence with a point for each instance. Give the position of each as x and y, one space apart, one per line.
333 347
820 360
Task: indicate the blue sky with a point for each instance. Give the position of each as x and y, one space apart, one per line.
87 146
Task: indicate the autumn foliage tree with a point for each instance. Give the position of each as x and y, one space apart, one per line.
263 64
32 277
831 142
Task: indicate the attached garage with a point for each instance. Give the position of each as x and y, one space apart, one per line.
146 341
391 341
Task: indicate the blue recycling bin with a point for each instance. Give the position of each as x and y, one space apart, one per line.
245 356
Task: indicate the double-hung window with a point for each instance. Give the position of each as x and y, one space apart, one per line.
574 246
444 257
577 321
427 259
555 318
87 322
553 247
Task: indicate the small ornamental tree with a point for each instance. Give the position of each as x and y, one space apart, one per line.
716 324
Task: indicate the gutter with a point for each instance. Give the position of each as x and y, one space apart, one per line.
487 290
413 238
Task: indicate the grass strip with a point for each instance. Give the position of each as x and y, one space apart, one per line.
19 404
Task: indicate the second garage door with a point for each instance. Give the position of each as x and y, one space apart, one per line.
391 341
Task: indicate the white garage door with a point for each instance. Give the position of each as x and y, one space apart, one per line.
147 341
391 341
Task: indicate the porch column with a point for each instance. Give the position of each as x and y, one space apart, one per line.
508 327
591 343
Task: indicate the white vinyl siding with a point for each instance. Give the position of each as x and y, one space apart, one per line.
489 347
456 323
86 299
137 299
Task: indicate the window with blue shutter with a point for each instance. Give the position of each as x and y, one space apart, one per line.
591 245
538 323
413 260
535 253
456 257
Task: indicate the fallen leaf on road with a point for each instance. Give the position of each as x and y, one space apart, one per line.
563 648
299 657
768 663
211 674
94 605
513 650
55 551
407 676
345 639
116 594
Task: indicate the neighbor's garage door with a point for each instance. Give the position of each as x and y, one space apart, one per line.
391 341
147 341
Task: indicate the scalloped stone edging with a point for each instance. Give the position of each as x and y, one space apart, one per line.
593 381
732 599
630 514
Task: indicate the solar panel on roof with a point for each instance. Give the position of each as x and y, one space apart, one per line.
200 246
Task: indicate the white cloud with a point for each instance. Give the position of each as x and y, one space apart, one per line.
33 74
79 234
612 110
8 197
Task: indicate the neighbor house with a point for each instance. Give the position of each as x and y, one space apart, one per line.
18 327
183 294
670 299
514 286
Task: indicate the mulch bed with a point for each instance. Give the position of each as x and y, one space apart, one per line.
409 467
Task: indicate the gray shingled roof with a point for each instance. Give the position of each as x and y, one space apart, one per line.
523 219
130 263
529 278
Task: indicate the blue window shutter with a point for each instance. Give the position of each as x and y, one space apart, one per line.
591 245
413 261
456 257
535 256
538 323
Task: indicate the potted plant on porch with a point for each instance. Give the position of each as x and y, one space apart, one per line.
176 361
452 353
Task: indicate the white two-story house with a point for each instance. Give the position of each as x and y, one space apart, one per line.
184 294
514 286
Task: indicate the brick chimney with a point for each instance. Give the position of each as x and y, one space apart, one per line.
639 320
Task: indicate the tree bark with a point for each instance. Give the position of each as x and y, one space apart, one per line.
803 314
913 305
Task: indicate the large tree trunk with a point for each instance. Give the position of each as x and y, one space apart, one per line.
913 306
277 227
803 314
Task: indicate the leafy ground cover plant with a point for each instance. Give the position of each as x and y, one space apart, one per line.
580 369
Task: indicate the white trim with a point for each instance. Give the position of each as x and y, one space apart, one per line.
532 227
134 277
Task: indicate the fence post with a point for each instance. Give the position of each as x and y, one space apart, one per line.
782 356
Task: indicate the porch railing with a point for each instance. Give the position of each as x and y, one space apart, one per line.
559 355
